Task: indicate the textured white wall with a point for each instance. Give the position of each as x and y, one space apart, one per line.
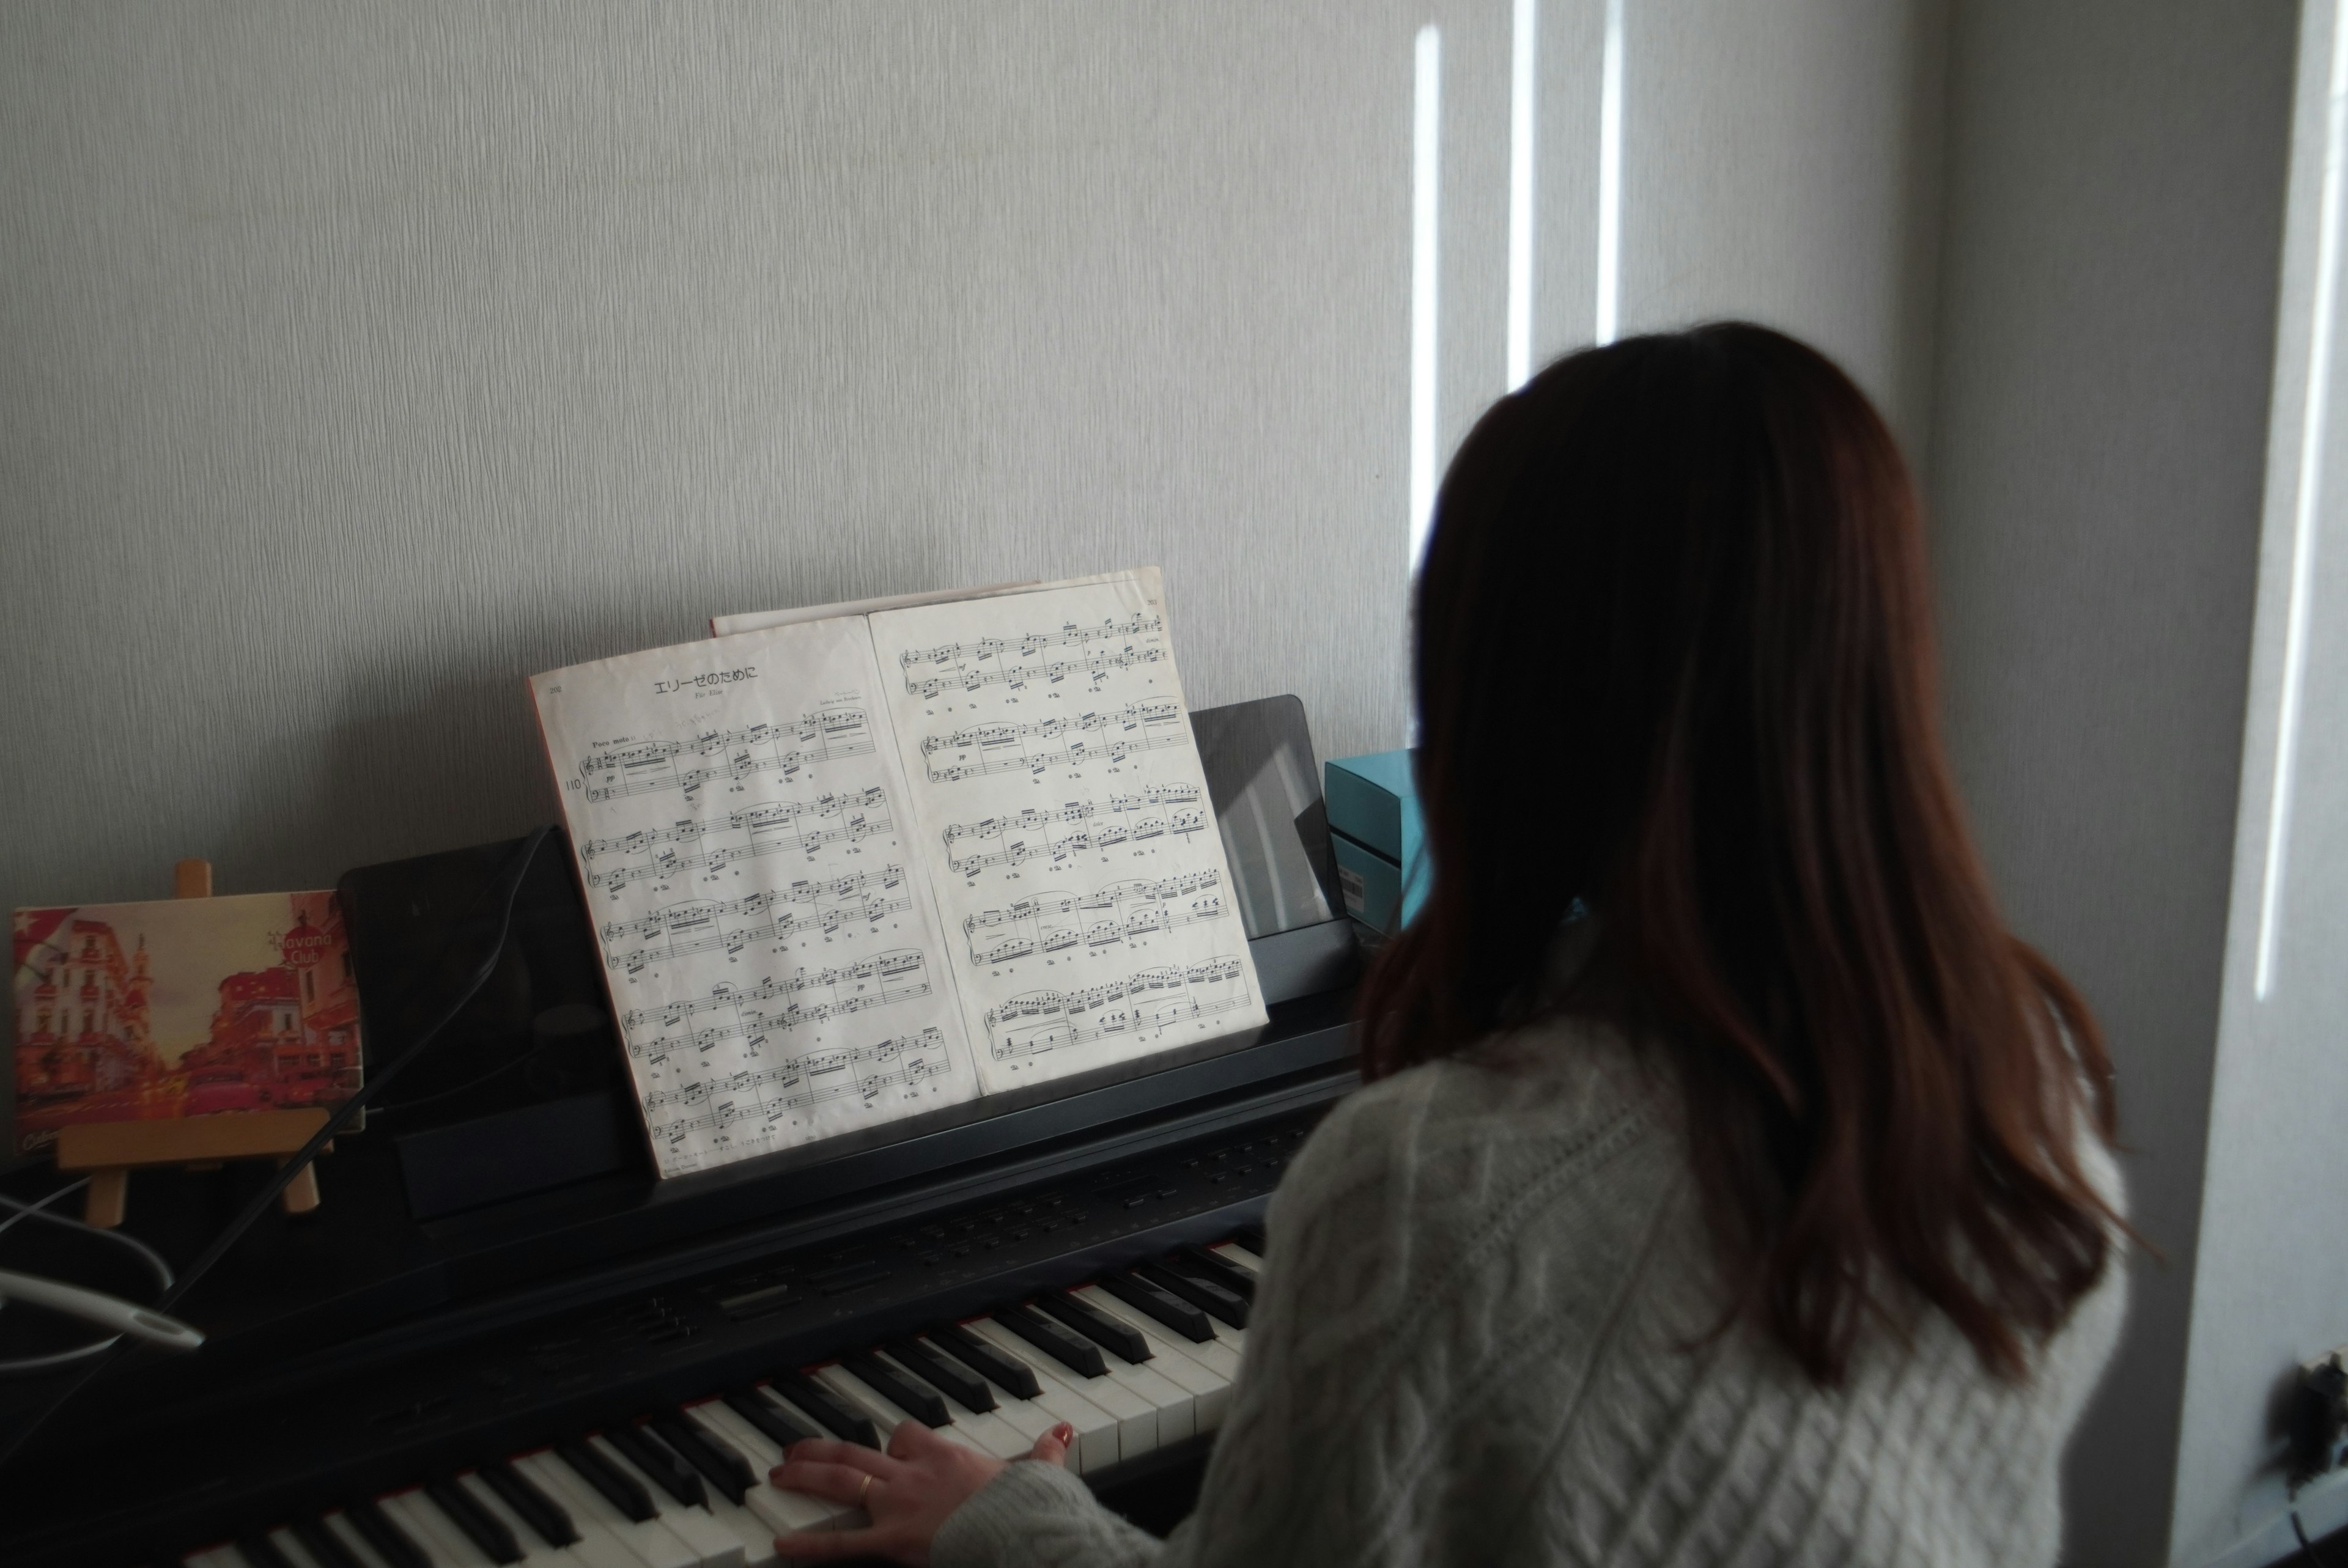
2113 237
1782 162
2269 1285
365 357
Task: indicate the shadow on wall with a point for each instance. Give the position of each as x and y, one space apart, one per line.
441 752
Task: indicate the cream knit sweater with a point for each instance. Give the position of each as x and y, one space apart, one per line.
1479 1339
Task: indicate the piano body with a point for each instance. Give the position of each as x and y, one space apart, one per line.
500 1340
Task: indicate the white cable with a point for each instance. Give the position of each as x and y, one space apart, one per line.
68 1190
39 1211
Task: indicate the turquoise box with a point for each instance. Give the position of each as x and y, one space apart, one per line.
1378 838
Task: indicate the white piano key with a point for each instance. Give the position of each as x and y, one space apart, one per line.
1225 1335
884 1412
651 1543
363 1547
441 1538
287 1548
1134 1421
785 1512
286 1542
1032 1420
803 1417
756 1536
1220 1352
715 1545
598 1546
855 1519
1218 1355
1209 1390
1095 1444
1176 1405
214 1557
1238 1254
535 1550
989 1431
358 1545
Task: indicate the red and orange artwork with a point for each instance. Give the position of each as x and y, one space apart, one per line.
181 1007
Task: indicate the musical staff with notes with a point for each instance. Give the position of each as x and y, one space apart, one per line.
1107 917
980 750
758 1099
831 858
1074 828
778 828
1137 1007
739 816
1017 661
1047 746
832 733
733 924
808 996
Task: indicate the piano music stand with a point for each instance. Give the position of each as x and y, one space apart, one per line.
110 1150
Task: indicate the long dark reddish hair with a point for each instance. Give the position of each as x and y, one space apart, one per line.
1674 659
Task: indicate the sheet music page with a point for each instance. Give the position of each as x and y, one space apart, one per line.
740 817
1085 900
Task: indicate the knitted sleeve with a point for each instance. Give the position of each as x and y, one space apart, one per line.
1297 1472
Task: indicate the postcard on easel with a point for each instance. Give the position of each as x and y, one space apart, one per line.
182 1007
848 867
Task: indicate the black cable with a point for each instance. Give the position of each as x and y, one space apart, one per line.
524 1059
512 878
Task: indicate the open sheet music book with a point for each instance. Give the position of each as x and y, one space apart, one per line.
844 868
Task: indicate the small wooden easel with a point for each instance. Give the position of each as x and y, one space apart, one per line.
110 1150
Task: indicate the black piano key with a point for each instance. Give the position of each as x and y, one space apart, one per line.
676 1477
326 1548
1215 1269
390 1542
621 1489
970 1393
767 1417
899 1389
713 1456
1252 1238
1005 1372
549 1518
1095 1325
261 1551
1075 1354
1213 1299
1172 1311
483 1527
826 1407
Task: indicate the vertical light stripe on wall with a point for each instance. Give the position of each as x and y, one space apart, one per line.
1522 77
1426 144
2315 410
1610 176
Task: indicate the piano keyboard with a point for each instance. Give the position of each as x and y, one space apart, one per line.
1137 1361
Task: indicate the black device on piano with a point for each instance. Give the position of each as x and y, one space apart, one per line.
501 1340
